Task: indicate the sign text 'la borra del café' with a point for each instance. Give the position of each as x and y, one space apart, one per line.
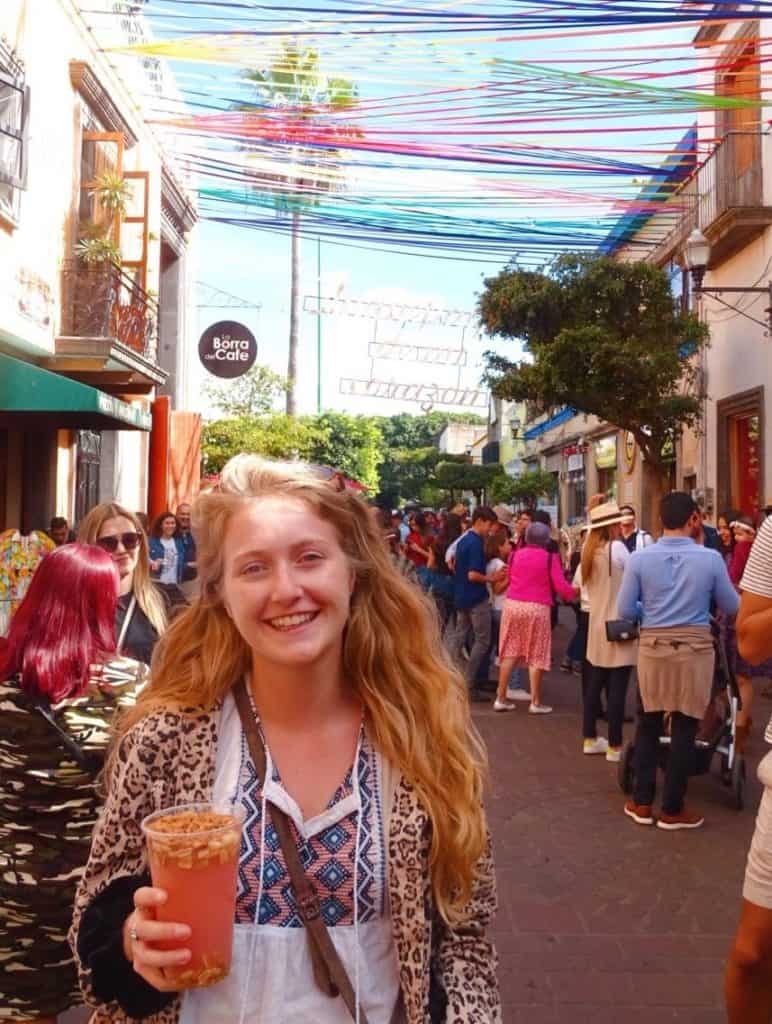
227 349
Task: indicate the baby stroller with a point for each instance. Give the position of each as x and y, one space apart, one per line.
715 737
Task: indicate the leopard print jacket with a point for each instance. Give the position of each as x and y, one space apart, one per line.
169 758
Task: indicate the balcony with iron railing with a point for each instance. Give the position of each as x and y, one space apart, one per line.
724 198
109 328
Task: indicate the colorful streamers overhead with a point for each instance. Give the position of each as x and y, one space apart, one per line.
480 129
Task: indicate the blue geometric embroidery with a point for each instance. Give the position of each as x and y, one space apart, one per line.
333 875
333 912
330 857
334 838
273 872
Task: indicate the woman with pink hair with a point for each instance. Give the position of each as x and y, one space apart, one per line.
61 685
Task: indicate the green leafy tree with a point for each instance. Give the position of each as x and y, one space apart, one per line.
406 431
301 94
352 444
411 455
455 477
253 394
524 490
604 338
277 437
405 473
349 443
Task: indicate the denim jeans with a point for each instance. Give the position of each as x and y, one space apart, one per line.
478 619
680 762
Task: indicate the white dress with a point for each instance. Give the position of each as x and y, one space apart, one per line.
344 851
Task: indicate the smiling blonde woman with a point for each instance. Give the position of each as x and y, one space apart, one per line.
369 746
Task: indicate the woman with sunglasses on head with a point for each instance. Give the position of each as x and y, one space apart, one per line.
292 688
61 686
142 609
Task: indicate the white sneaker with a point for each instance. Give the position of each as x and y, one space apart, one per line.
502 705
518 693
614 754
539 709
596 746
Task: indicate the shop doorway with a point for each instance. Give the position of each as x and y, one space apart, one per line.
741 452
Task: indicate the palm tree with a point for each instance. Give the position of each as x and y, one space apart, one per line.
302 97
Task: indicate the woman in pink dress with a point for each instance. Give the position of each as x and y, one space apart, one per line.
535 578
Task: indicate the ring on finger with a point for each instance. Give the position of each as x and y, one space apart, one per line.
133 933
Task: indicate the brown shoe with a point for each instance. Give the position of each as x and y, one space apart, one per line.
640 813
684 819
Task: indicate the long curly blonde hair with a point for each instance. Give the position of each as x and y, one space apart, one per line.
142 587
415 702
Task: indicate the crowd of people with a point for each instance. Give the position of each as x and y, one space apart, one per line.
645 608
294 594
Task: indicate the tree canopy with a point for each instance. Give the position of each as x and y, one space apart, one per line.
524 490
410 457
602 337
352 444
252 394
464 475
395 457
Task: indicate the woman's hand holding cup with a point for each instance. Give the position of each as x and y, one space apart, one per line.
141 932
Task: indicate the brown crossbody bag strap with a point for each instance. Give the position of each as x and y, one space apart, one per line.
329 972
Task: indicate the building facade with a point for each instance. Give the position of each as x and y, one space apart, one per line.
95 282
727 195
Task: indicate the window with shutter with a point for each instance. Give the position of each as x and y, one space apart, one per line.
14 113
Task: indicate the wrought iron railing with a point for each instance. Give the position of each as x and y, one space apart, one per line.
99 300
730 178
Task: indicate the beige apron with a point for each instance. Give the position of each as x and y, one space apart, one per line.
675 669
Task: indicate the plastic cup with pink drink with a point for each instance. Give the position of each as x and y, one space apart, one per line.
193 851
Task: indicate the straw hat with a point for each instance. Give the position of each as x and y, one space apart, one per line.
605 515
503 514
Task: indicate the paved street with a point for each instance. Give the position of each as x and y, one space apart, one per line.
602 920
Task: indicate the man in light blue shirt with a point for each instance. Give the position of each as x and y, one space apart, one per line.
670 588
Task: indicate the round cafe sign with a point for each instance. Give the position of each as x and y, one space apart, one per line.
227 349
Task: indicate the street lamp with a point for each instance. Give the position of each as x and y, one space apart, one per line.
514 425
697 257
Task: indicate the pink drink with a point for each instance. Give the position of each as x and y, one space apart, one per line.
194 856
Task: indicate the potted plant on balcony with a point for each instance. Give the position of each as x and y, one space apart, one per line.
97 248
93 281
112 193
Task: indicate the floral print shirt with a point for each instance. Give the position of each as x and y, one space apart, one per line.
20 555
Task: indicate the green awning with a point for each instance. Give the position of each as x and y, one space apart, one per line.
30 396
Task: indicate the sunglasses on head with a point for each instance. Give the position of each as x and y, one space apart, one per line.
110 543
